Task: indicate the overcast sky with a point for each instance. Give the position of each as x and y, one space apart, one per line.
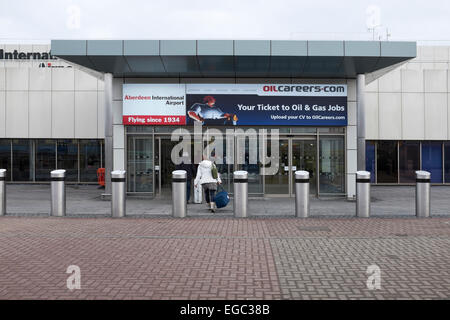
42 20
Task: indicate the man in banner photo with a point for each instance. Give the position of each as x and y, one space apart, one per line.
207 112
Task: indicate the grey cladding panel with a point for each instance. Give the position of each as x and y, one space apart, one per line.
362 48
252 47
289 48
141 47
325 48
105 47
215 47
178 47
398 49
69 47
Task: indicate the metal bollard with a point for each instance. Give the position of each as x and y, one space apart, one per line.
240 199
179 196
423 179
118 193
58 191
301 194
2 192
363 194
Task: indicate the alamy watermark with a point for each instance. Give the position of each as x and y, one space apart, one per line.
74 280
210 145
74 17
374 279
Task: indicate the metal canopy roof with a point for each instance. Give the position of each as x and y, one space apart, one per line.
234 58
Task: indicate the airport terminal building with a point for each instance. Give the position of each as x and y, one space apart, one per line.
338 107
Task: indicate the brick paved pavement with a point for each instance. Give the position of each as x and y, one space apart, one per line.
224 258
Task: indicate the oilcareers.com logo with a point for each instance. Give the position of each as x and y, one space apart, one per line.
305 88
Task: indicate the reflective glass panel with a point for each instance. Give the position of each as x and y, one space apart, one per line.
89 160
331 165
22 160
247 149
5 157
447 161
140 164
370 159
68 158
387 162
45 159
304 155
278 183
409 160
432 160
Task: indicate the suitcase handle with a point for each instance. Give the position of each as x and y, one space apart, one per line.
220 188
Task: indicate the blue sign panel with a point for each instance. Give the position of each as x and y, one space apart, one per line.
312 105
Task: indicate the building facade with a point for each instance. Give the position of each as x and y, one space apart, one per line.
408 120
53 116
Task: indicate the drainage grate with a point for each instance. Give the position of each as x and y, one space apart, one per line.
401 234
314 228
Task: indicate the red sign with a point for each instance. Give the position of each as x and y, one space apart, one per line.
146 120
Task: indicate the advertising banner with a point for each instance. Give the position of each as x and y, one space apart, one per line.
236 104
154 104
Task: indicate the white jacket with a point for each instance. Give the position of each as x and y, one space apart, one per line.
204 174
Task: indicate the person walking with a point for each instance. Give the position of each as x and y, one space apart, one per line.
187 166
209 183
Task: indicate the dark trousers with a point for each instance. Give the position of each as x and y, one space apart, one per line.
188 189
209 195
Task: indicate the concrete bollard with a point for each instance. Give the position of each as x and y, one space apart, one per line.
179 193
240 199
58 193
363 194
423 204
301 194
118 194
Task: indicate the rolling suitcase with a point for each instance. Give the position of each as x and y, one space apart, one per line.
221 199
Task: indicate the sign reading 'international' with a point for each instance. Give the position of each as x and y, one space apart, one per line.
19 55
235 104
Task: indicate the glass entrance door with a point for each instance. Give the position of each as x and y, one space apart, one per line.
304 157
247 159
279 182
164 165
140 164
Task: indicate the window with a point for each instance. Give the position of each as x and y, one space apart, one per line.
250 157
140 164
303 130
45 159
5 157
432 160
278 183
103 154
89 160
331 164
22 168
68 158
387 163
409 160
447 162
370 159
331 130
